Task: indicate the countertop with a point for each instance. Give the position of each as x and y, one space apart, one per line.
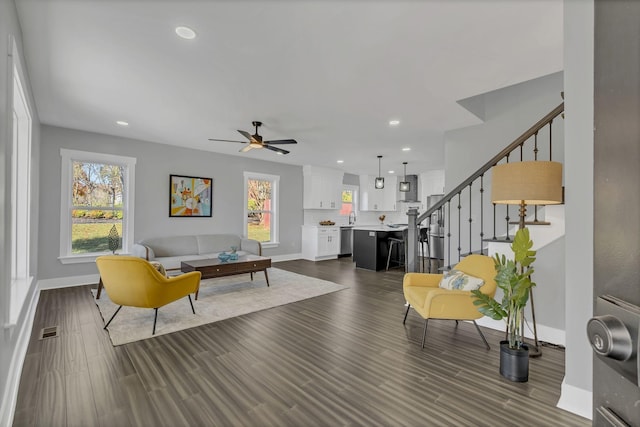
379 227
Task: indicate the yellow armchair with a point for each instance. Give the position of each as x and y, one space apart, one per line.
134 282
422 292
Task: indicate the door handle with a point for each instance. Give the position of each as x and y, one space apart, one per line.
609 337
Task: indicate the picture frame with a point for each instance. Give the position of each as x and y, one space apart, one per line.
190 196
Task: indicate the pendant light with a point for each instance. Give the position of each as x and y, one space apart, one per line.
379 179
405 186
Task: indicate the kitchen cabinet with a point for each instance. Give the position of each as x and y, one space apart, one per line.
320 242
378 200
371 246
322 188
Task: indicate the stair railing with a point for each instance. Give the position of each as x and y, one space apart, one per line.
438 218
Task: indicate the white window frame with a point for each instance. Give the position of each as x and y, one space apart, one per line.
66 200
275 204
20 134
354 201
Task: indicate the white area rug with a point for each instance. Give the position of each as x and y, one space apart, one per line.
218 299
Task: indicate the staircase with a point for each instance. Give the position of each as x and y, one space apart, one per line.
471 221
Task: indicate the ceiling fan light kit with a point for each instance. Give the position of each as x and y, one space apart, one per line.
379 183
255 141
405 186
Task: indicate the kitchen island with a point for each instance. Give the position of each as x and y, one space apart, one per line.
371 245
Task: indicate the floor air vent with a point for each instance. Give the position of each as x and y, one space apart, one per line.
49 332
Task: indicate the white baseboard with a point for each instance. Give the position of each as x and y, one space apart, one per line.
286 257
67 282
545 333
576 400
10 392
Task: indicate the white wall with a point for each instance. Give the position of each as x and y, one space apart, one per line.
155 162
13 339
578 64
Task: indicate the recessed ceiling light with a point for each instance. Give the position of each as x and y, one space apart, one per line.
122 123
406 149
392 171
185 33
340 161
394 122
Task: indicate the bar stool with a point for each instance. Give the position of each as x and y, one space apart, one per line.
400 243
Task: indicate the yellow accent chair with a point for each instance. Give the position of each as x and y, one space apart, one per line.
422 292
134 282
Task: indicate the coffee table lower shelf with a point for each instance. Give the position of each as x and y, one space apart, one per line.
213 268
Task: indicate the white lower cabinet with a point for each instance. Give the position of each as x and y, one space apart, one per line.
320 242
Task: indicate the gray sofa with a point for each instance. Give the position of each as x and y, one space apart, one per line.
171 251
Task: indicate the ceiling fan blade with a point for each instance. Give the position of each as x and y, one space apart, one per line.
276 149
247 135
227 140
282 141
247 148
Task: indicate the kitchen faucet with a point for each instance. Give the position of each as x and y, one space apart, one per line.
352 218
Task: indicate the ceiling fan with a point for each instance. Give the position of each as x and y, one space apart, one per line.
255 141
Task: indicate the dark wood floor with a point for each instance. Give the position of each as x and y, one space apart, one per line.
341 359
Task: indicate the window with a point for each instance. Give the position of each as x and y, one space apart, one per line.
97 198
349 198
261 204
20 190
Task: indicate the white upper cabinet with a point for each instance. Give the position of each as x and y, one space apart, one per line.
322 188
378 200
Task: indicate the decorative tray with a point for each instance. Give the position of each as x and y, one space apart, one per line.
327 223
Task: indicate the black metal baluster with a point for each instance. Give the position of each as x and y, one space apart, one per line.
449 232
550 140
535 146
470 219
494 222
481 211
507 209
459 228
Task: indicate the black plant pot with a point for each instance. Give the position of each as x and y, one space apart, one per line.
514 363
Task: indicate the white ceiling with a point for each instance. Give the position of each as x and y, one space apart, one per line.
330 74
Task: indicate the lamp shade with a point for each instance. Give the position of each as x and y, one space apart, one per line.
531 182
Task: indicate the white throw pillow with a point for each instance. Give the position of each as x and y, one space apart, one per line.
460 281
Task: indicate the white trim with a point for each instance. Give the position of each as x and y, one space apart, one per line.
67 282
10 392
576 400
275 197
66 172
285 257
545 333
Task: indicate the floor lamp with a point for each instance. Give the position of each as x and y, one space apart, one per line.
527 183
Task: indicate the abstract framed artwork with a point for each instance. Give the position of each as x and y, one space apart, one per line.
190 196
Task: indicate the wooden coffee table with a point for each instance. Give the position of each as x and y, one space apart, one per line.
212 268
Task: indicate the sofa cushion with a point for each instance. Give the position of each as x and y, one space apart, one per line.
209 243
172 246
173 262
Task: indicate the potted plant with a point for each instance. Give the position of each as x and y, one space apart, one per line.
513 276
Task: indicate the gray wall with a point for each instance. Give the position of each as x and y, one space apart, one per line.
155 162
13 339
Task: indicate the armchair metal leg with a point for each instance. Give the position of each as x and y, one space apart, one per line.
155 317
482 335
114 315
405 314
424 334
191 302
